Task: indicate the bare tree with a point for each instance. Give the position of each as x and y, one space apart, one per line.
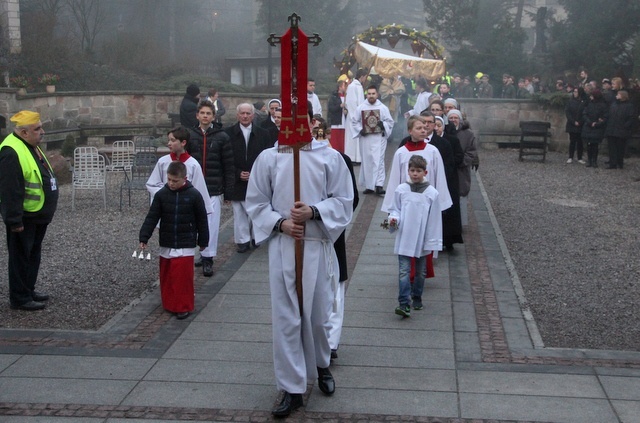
90 16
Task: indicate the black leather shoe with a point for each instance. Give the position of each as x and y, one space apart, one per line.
207 267
367 191
39 296
380 191
243 248
334 354
183 315
28 306
325 381
289 403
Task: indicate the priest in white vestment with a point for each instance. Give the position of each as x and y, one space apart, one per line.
371 125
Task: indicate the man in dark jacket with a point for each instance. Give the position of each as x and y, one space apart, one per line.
189 107
211 147
27 205
247 141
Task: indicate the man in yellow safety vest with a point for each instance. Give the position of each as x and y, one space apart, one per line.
28 200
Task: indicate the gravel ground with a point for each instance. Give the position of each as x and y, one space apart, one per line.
572 233
87 266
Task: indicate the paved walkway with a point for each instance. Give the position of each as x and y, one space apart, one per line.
472 355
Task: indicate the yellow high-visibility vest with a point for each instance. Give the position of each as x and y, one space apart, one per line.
33 190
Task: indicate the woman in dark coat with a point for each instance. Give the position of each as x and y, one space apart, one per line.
449 147
595 117
622 115
573 111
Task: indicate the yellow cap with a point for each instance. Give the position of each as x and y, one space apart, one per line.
479 75
343 77
25 117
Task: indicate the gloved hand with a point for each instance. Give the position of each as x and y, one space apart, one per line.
362 133
381 125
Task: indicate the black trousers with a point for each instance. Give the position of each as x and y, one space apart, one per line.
25 250
616 151
575 142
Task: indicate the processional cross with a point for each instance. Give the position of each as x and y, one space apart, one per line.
294 129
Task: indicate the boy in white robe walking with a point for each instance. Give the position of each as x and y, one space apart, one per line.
416 218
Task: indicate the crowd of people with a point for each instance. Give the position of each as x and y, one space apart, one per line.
209 165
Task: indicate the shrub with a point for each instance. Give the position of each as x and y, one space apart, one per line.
68 146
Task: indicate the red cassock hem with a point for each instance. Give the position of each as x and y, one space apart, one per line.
176 284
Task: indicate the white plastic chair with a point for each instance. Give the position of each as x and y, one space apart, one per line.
88 173
122 154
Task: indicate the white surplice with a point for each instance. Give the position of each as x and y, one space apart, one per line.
352 99
301 345
419 221
372 146
435 174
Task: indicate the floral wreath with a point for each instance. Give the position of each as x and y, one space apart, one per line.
421 42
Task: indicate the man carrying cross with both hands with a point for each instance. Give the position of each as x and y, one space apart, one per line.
301 219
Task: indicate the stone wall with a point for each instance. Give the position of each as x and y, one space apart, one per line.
125 112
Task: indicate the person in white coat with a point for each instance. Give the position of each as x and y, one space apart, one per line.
371 125
416 218
301 348
352 99
178 138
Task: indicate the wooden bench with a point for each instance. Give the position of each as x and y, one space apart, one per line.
534 139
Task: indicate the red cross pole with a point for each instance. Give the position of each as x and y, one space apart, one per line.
294 129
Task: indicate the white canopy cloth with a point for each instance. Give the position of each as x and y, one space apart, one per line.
390 64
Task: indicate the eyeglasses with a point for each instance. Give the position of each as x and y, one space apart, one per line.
430 121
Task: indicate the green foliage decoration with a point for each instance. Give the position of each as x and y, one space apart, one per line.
421 42
68 146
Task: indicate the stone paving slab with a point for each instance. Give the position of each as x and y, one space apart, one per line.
216 331
393 378
389 320
381 305
531 384
628 411
60 390
202 395
211 371
536 408
189 349
401 357
621 388
397 337
47 366
382 401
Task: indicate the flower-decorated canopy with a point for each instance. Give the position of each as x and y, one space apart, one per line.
421 43
389 64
